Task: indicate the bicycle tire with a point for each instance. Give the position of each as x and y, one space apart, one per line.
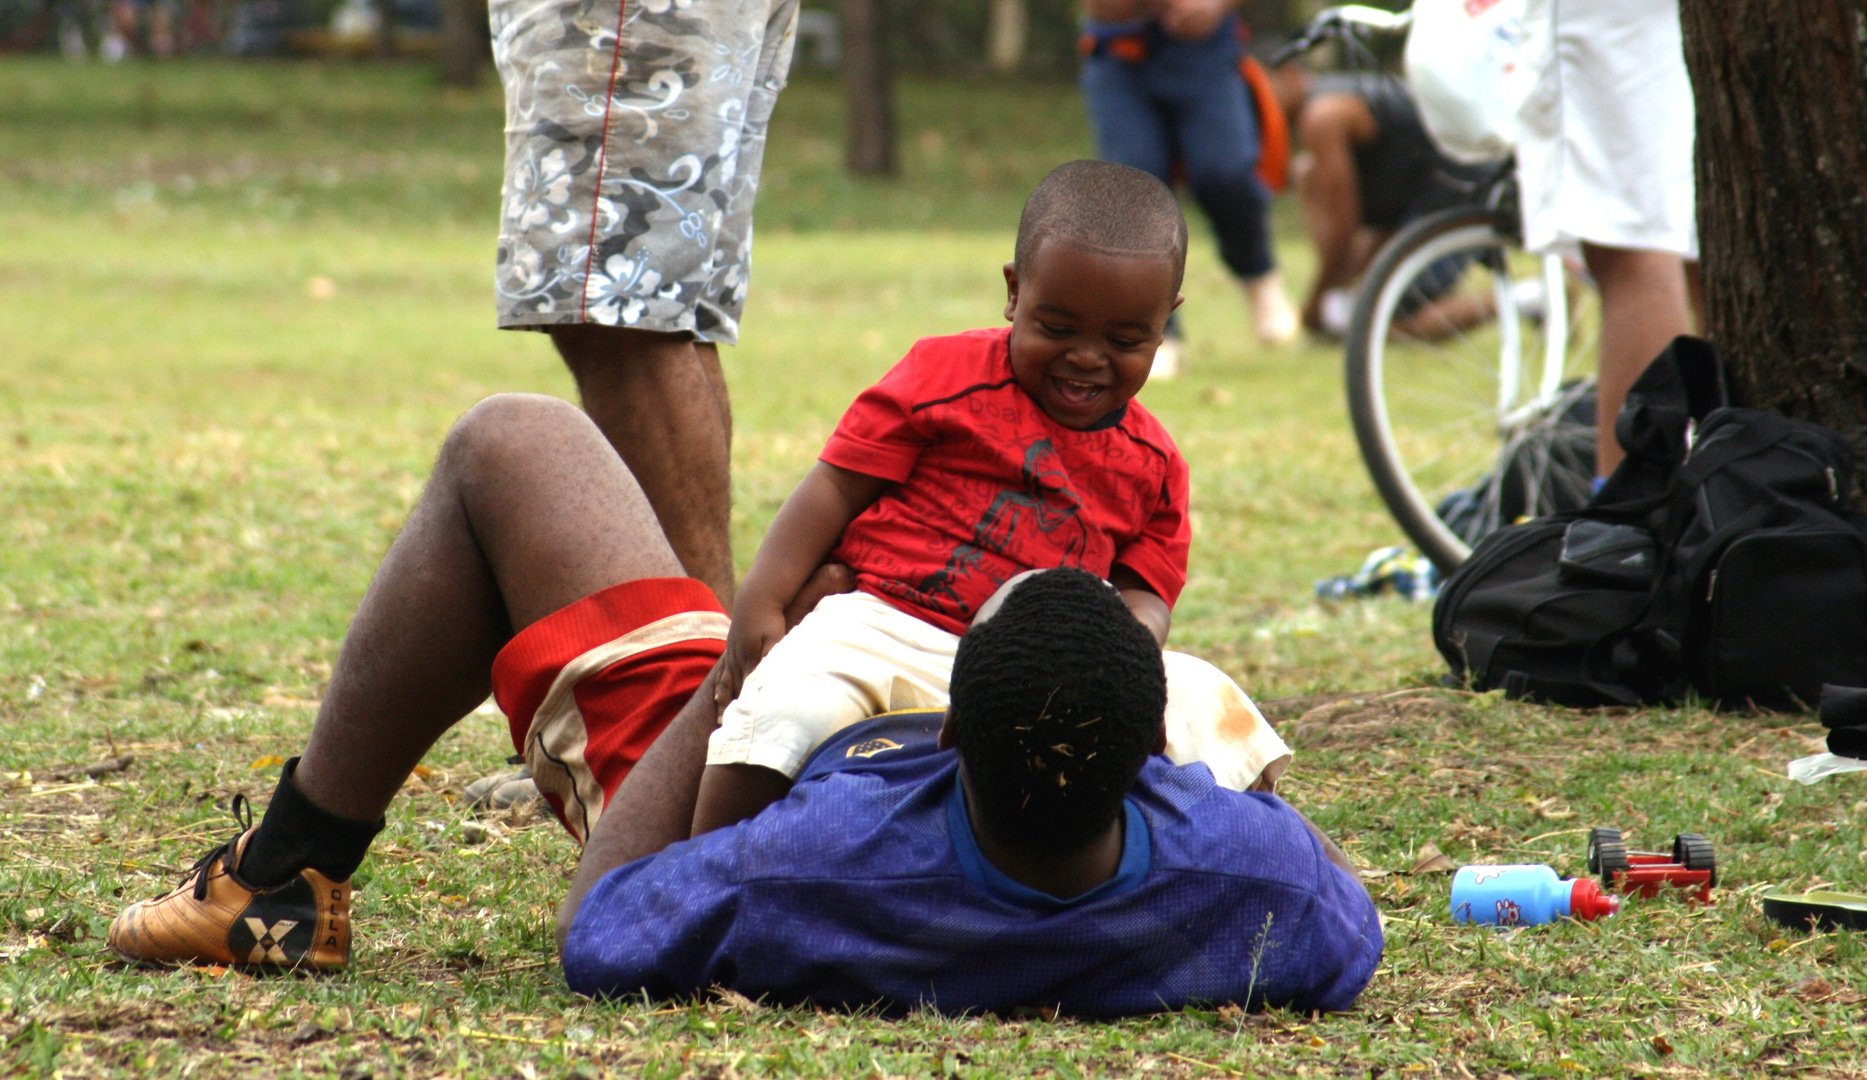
1486 239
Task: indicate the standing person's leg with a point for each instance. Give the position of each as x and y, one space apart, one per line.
1644 305
633 146
1604 162
661 401
1131 130
528 510
1215 130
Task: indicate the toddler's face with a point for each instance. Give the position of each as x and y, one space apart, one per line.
1084 327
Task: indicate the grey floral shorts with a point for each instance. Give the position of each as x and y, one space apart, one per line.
634 134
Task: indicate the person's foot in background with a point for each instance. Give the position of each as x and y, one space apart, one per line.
1272 314
1170 356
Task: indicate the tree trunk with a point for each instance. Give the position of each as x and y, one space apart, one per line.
869 142
385 29
1008 35
1781 90
463 41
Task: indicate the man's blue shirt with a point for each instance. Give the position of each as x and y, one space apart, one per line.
865 886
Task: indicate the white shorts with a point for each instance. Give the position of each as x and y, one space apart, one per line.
1604 154
857 656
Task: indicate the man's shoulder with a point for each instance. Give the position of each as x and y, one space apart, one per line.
872 812
1202 827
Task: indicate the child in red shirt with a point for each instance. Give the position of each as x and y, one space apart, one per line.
976 458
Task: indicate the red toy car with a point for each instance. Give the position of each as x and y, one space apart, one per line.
1692 867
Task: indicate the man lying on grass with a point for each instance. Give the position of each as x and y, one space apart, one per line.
1048 861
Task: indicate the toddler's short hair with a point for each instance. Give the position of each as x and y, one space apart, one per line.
1107 208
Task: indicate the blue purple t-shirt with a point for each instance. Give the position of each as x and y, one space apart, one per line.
865 886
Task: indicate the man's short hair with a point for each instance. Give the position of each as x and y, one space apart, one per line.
1058 700
1107 208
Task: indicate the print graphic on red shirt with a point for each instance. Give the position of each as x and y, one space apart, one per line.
987 486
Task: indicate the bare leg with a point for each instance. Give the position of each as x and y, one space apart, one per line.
661 401
528 510
1643 306
1330 192
1447 316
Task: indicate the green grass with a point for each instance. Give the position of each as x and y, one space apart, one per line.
200 465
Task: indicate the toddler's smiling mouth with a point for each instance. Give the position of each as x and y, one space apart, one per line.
1075 391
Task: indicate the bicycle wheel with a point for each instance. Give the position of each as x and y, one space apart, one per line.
1469 381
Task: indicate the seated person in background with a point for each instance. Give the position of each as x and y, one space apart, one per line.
1024 847
1367 169
978 457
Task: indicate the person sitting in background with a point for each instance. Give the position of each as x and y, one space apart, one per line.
1162 82
1367 169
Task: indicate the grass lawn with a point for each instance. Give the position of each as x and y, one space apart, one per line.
201 461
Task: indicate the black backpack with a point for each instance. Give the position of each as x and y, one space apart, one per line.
1716 560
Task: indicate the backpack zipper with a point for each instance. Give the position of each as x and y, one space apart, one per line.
1834 489
1711 586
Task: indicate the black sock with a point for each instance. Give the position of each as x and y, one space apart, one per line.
296 833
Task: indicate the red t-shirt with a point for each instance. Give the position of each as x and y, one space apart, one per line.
987 486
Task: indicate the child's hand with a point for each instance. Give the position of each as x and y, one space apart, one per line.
756 628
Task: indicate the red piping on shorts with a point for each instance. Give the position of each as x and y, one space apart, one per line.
602 160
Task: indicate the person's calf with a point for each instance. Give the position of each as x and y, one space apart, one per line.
661 401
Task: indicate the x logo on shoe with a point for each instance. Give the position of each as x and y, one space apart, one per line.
267 938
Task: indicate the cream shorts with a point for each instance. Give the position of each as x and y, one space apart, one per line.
1604 153
857 656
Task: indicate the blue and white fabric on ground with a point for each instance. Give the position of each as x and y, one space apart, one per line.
864 886
1399 570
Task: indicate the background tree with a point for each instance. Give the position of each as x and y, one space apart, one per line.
1007 34
869 137
1781 90
464 48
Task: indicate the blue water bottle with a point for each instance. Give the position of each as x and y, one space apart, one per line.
1525 896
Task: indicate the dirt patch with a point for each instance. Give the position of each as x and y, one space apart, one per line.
1363 719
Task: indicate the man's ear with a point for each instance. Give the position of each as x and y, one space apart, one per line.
948 739
1160 739
1178 299
1011 290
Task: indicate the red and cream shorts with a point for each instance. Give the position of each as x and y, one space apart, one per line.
589 687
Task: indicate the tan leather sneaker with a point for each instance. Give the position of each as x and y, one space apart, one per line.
216 918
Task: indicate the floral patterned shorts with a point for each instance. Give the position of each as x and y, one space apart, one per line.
634 134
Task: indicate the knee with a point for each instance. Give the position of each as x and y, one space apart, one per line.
502 425
1228 185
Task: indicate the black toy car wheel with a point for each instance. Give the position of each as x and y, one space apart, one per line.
1694 852
1607 853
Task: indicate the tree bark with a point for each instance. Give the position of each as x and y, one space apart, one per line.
463 41
1781 92
869 141
385 30
1008 35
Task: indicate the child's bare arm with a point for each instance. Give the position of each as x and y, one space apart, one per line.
807 528
1146 605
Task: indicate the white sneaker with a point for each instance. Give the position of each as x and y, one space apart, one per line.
1338 306
1167 359
1272 313
1531 298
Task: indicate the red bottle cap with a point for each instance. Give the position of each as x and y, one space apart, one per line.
1587 902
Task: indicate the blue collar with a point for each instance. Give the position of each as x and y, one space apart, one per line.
1136 856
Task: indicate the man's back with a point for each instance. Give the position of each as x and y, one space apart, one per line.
865 885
